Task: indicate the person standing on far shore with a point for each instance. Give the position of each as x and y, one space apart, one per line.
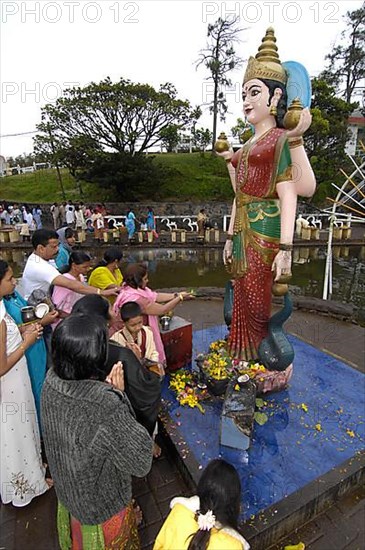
55 211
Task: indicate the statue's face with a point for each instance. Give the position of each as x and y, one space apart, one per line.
255 95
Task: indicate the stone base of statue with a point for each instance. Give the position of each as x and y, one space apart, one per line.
238 415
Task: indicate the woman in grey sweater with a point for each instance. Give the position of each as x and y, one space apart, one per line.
93 442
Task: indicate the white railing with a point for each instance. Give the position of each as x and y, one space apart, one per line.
165 222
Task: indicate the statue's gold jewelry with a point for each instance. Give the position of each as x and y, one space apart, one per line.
273 110
266 64
295 142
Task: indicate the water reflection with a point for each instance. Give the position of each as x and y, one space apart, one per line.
204 267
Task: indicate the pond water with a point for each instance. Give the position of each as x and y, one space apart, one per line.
192 268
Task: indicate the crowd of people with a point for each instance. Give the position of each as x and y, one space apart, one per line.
94 218
86 377
26 219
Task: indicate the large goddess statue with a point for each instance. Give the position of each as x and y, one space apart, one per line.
267 174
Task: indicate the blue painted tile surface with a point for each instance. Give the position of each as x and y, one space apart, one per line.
287 452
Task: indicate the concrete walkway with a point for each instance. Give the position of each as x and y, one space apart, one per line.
340 527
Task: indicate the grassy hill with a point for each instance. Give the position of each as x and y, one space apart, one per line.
193 178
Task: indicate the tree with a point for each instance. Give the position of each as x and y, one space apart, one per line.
242 130
201 139
133 176
47 145
74 153
11 161
346 62
325 141
121 116
219 57
170 137
194 116
23 160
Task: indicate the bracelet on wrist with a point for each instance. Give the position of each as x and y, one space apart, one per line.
98 291
22 347
181 297
295 142
286 247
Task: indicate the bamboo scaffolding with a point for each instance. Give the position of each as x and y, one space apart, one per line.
352 182
339 203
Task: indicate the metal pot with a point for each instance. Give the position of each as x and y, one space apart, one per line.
28 314
165 322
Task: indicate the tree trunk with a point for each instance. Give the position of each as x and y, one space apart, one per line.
215 112
79 185
60 181
57 167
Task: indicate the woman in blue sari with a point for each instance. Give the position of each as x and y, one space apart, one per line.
130 224
36 354
151 223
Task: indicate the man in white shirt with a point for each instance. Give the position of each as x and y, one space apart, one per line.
70 215
40 274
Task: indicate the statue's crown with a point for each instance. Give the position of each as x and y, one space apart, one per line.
266 64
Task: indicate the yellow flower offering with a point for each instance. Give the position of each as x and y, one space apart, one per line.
299 546
182 383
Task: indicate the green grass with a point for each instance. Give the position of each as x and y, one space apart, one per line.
193 177
43 186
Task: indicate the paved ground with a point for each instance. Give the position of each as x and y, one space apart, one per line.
340 527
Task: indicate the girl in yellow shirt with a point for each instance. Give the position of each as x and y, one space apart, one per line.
208 520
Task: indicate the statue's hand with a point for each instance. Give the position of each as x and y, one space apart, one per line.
226 155
282 264
304 122
227 252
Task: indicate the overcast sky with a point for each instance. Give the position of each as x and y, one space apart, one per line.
48 45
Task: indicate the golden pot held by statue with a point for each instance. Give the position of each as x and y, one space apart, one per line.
279 289
293 113
221 145
284 278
